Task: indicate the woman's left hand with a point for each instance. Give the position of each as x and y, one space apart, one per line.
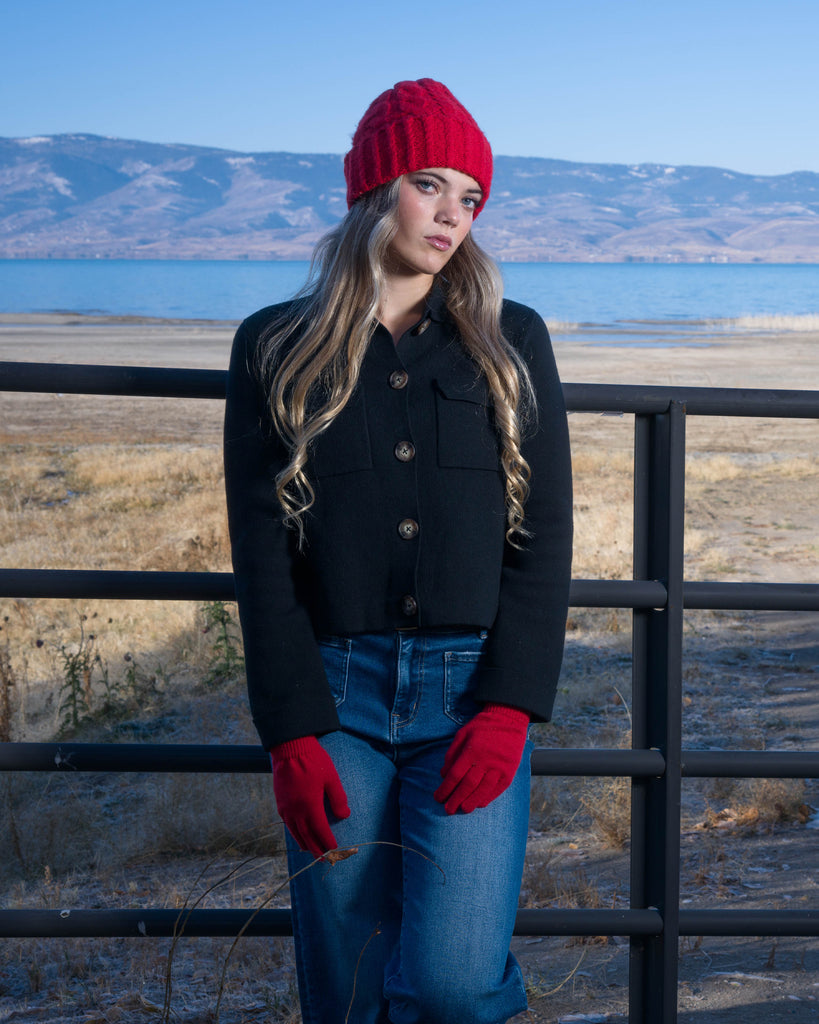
483 758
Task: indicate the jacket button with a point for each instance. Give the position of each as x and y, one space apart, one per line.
404 451
398 379
409 606
408 529
421 327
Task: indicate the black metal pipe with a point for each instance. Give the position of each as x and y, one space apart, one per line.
164 923
172 382
201 758
669 625
749 922
601 762
117 584
133 381
634 593
247 759
160 923
126 584
792 597
244 759
750 764
656 399
641 787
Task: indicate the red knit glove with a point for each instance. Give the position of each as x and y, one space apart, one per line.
482 758
303 775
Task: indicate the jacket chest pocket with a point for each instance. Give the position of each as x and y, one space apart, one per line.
466 432
344 447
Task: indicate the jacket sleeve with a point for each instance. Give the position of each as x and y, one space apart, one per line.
526 640
287 686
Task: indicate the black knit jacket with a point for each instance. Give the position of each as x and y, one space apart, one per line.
408 526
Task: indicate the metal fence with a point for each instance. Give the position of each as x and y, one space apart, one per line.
656 764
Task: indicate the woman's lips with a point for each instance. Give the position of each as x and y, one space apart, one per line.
441 242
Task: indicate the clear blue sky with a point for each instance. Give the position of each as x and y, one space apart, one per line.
726 83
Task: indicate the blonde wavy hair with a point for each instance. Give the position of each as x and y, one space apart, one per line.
310 358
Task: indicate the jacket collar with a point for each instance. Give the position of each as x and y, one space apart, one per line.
436 307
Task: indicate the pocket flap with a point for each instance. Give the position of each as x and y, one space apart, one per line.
475 391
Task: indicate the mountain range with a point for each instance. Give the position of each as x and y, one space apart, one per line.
87 196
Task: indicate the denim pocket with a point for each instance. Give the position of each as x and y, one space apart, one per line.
460 676
335 653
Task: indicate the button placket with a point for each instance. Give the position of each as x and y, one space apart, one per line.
404 451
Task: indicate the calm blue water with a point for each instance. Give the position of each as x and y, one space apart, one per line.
607 299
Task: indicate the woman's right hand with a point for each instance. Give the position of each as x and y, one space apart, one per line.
303 775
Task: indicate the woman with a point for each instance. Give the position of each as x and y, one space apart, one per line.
399 495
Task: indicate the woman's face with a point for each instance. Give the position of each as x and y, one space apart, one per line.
435 211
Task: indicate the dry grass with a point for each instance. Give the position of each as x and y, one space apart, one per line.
603 514
759 803
608 804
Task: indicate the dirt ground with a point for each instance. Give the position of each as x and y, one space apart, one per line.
751 680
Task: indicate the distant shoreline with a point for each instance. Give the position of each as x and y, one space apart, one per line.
632 333
70 318
634 352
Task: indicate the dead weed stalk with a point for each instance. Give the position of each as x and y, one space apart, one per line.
331 858
8 684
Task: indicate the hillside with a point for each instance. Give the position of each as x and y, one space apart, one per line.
70 196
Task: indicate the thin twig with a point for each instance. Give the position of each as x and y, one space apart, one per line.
341 854
625 705
256 910
179 923
400 846
375 931
568 977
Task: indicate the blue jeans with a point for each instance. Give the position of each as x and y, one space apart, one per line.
416 926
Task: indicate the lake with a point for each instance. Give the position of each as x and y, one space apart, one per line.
628 302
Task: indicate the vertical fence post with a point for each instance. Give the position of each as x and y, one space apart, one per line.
659 509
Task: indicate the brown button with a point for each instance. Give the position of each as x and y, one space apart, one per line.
404 451
408 529
409 606
398 379
421 327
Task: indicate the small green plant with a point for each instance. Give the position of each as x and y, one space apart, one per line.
225 661
8 683
80 661
138 684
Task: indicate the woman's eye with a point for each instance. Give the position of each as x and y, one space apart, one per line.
471 202
425 185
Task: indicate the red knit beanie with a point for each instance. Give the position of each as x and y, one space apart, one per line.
412 126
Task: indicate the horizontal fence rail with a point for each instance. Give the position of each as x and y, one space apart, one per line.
227 923
125 584
166 923
658 594
162 382
97 924
239 759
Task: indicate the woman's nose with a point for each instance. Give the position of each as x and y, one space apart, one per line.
449 212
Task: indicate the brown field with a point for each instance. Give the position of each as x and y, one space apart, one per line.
136 484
